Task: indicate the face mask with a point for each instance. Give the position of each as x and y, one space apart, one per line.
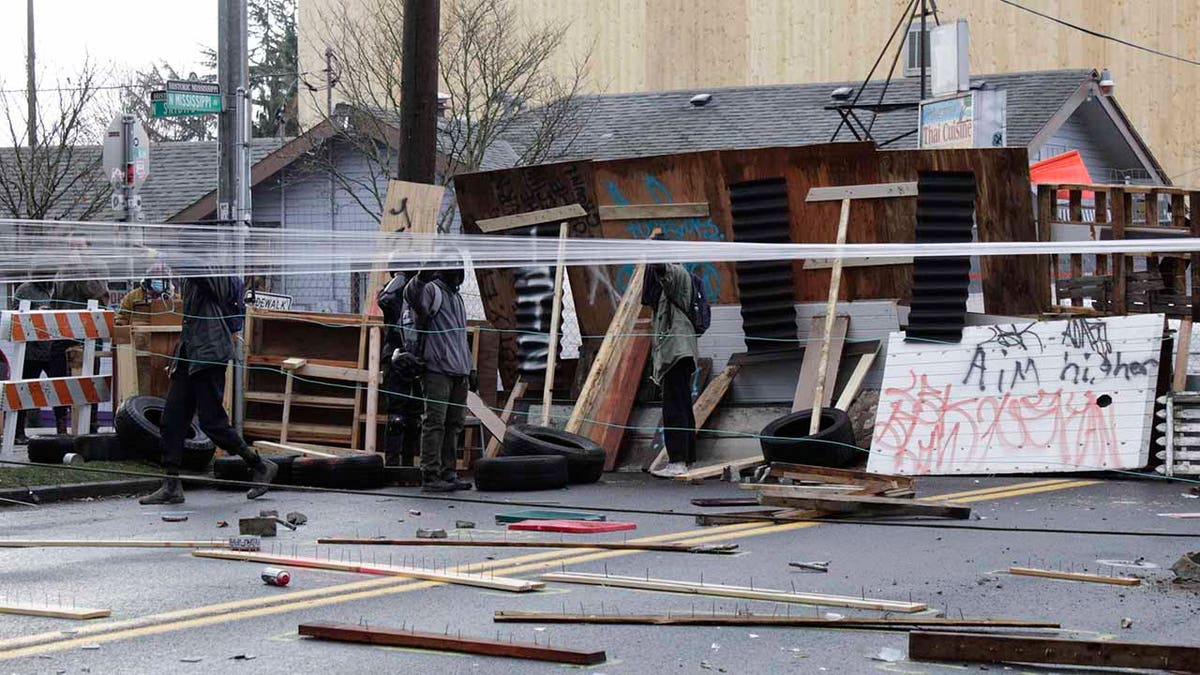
157 286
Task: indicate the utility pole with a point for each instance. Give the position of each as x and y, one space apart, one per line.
418 92
233 140
30 75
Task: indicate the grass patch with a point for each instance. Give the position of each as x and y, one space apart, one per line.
18 476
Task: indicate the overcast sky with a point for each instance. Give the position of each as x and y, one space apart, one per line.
118 34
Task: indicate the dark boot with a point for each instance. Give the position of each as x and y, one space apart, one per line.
21 438
264 474
393 440
171 492
451 478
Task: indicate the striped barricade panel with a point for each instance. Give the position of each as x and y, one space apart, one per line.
54 391
68 324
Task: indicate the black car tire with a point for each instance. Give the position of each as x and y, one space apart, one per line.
786 439
137 423
515 474
102 448
585 458
50 449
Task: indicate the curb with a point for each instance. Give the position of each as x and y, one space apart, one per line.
57 493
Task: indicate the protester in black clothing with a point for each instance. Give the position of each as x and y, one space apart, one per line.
197 380
403 402
43 356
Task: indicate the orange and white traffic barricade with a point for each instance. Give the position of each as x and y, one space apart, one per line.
83 326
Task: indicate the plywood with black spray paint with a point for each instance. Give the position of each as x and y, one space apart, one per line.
510 192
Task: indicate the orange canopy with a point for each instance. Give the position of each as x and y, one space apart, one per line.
1065 168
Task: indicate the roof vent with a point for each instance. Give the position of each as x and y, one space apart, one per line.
841 94
700 100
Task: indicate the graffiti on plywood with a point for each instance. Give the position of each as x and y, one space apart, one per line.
1072 395
692 229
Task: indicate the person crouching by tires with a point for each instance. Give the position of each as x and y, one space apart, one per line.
441 320
668 290
210 304
403 400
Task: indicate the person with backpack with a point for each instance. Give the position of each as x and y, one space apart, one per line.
213 311
403 400
442 349
680 314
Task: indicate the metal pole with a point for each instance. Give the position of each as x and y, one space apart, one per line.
127 121
922 41
233 185
30 76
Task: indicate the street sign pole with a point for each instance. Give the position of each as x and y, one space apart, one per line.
127 155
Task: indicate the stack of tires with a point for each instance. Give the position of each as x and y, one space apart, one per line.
348 472
540 458
787 440
139 433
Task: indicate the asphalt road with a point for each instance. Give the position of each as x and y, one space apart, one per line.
175 613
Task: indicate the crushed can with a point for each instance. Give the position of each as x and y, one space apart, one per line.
276 576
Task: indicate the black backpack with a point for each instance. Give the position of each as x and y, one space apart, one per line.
699 312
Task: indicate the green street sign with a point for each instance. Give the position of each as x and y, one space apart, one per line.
182 98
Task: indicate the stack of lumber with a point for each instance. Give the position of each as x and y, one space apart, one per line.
800 492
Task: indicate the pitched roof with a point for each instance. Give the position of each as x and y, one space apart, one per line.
183 172
663 122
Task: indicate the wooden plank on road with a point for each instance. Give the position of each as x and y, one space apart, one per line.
392 637
984 648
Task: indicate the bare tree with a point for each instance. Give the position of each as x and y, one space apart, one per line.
60 177
504 98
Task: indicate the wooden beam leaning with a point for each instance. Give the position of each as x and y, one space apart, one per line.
798 497
669 586
619 329
81 613
819 399
985 648
555 321
393 637
493 446
1075 576
836 193
461 578
654 211
488 225
714 470
702 619
489 419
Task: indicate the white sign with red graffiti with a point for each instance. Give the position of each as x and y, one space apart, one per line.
1075 395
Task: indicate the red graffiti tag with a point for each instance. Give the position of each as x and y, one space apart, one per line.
926 429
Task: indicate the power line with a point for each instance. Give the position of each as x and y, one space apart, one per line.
1102 36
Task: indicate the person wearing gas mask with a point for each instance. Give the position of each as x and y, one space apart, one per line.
154 287
403 401
441 322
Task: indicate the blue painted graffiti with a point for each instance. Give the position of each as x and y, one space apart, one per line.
703 229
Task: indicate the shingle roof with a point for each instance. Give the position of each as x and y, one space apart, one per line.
183 172
180 173
663 122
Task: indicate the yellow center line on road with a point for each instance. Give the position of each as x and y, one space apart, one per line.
362 590
954 496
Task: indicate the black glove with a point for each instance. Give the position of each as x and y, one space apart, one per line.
473 381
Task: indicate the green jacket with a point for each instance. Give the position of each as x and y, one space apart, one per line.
674 335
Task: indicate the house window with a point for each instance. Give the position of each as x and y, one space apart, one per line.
914 53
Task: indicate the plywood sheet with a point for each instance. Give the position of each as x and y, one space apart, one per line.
512 191
1003 212
1074 395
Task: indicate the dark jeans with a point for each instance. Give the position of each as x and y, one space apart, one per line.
198 394
55 367
679 422
445 408
404 406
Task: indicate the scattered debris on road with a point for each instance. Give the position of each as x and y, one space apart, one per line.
815 566
431 533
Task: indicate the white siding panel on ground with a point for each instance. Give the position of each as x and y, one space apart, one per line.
1074 395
